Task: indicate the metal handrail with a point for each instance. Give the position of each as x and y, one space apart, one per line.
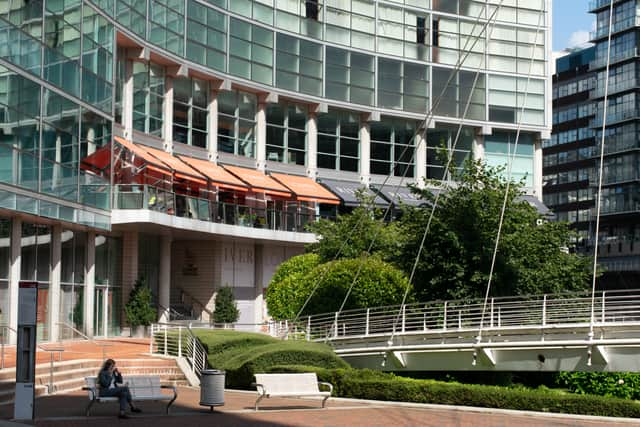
180 342
52 352
4 329
197 301
537 312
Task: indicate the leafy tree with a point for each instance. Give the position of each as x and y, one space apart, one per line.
226 308
139 310
289 288
351 235
532 254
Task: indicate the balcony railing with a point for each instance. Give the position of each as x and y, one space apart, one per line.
614 88
155 199
625 24
602 62
614 117
599 4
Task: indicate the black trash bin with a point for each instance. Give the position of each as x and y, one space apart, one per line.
212 388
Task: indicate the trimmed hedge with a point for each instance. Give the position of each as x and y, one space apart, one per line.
374 385
242 355
624 385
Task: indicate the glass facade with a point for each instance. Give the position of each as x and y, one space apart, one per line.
287 134
237 123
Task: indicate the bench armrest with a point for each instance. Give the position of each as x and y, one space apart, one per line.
328 385
91 390
259 388
175 395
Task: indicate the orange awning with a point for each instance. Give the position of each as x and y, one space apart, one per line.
98 162
259 182
152 162
180 169
216 174
306 189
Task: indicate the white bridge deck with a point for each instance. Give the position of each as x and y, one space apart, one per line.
541 333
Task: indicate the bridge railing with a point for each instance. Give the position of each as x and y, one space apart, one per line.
500 313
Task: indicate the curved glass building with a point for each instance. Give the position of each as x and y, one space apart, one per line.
186 143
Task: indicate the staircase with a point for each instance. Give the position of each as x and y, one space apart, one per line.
69 375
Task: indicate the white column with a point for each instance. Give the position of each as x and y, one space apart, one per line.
537 170
167 115
90 285
127 100
164 281
365 153
477 148
14 275
421 159
212 133
54 287
312 145
261 136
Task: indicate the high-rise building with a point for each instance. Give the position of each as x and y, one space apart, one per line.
182 141
569 157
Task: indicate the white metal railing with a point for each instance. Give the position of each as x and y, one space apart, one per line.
178 341
539 312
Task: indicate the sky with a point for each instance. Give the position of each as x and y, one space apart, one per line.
571 23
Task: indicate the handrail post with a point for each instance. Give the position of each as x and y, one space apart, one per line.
366 325
459 319
50 390
544 310
603 306
193 354
308 328
444 326
404 317
151 341
165 340
179 341
491 322
335 326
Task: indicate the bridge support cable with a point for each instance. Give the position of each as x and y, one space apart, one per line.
450 158
420 129
600 177
510 161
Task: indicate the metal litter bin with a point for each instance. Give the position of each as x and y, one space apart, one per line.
211 388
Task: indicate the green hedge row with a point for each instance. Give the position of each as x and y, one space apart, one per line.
625 385
242 355
374 385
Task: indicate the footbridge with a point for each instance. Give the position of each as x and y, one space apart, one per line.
564 332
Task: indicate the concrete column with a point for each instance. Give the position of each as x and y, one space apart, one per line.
537 170
312 145
421 159
212 133
54 287
14 275
477 147
127 100
129 263
164 281
261 135
167 115
365 152
90 285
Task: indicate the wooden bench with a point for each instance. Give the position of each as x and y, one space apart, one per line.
290 385
141 387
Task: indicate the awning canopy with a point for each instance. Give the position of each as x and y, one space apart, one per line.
259 182
180 169
306 189
216 174
151 162
347 192
537 204
400 194
98 162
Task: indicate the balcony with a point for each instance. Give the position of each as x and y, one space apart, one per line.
614 118
615 88
602 62
293 218
625 24
595 5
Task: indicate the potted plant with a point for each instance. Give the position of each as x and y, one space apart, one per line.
139 310
226 310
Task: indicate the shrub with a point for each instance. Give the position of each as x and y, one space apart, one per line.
288 289
623 385
378 284
226 309
139 310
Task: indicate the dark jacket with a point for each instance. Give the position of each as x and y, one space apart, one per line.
105 378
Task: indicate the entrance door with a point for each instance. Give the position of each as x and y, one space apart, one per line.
99 326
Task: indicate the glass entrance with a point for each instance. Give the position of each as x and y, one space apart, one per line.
99 312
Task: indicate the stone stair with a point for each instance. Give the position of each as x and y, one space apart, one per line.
69 375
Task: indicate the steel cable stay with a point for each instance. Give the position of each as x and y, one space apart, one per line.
419 130
600 177
510 161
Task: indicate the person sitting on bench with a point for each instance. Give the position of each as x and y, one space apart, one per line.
111 385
